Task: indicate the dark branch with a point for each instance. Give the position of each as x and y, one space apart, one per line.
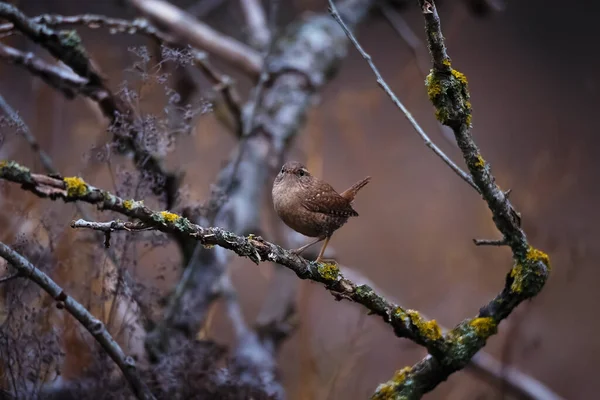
93 325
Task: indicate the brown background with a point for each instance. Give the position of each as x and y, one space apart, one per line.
535 92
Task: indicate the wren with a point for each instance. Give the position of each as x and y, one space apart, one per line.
311 206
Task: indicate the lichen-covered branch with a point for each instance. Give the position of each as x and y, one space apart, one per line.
337 16
92 324
448 91
406 323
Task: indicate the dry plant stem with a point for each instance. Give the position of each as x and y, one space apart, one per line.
336 15
256 21
200 35
93 325
406 323
447 89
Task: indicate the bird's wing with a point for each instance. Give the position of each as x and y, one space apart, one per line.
327 201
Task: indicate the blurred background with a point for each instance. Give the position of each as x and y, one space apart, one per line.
535 94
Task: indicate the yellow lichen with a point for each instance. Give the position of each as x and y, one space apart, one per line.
169 216
3 163
480 163
428 329
535 255
329 271
517 274
128 204
388 390
484 326
434 88
76 187
459 76
447 62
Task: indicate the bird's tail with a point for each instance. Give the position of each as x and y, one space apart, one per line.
350 193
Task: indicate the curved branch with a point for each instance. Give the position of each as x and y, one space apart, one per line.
92 324
406 323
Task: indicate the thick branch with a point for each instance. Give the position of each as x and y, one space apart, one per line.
93 325
256 21
200 35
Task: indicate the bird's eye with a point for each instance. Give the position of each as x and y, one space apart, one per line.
301 172
282 170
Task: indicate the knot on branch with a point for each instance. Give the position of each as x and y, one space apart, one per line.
448 91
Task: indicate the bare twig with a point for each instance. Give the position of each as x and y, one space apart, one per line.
110 226
488 242
93 325
200 35
336 15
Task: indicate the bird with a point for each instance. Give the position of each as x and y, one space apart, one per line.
311 206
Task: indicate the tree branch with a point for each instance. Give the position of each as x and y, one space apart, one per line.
93 325
57 77
406 323
200 35
336 15
256 21
447 89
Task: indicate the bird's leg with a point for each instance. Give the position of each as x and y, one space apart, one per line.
306 246
319 258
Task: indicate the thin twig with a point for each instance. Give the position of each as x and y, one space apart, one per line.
92 324
488 242
336 15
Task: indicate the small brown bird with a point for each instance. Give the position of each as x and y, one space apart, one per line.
310 206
